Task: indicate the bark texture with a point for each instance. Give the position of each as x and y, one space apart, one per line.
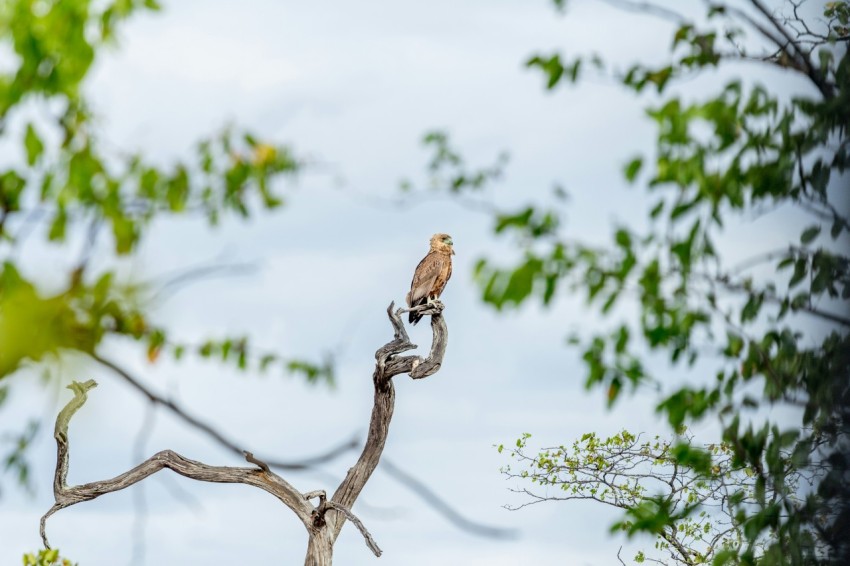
323 521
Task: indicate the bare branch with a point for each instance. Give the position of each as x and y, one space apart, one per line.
406 479
262 465
322 533
388 365
323 529
370 542
648 8
216 435
738 287
172 284
802 56
66 496
441 506
791 54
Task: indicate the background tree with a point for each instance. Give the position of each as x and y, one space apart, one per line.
745 342
639 475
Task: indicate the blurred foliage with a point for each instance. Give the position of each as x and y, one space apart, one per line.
774 328
46 558
15 460
58 179
447 169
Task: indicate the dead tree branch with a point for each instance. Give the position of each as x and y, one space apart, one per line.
323 523
389 364
66 496
413 484
324 505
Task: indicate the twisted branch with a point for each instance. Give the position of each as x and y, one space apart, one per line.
389 364
263 478
322 526
66 496
406 479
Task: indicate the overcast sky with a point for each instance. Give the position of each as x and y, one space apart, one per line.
353 85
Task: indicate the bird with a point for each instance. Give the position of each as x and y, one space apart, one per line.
431 275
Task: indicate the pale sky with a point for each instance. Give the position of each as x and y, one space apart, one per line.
354 86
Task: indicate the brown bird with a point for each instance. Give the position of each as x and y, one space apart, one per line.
431 275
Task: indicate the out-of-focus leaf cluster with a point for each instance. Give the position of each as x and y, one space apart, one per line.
68 179
67 187
449 172
742 150
240 353
14 461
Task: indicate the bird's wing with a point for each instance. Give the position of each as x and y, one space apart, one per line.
424 278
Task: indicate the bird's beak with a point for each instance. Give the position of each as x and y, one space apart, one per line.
453 251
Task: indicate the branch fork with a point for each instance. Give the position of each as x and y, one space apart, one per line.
322 525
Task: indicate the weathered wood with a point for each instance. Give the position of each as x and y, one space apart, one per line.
323 522
66 495
387 366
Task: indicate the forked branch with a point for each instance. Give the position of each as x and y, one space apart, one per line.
388 364
323 523
66 495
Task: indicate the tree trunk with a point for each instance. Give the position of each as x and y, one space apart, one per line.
320 549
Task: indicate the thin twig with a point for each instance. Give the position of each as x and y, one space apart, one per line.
139 499
802 56
370 542
441 506
216 435
648 8
174 283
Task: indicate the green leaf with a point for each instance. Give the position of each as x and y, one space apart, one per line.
800 270
657 210
551 66
33 145
692 457
57 226
633 168
809 234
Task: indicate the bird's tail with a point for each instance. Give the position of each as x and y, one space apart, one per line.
414 317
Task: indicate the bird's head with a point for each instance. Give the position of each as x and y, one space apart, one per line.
442 243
